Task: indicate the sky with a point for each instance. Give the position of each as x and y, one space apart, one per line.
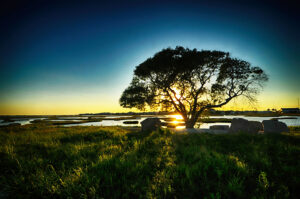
70 57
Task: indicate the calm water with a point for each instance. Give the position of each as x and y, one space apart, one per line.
289 122
108 123
23 121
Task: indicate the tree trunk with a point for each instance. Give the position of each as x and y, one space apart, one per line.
190 124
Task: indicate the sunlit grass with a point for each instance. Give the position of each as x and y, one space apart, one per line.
39 161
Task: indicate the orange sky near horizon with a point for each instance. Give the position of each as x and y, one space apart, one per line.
54 106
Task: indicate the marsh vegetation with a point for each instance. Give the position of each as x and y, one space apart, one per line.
44 161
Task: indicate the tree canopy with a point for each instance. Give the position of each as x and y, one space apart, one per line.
191 81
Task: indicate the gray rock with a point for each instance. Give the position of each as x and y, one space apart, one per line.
219 127
151 124
274 126
257 125
245 126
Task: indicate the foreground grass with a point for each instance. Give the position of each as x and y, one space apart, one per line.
111 162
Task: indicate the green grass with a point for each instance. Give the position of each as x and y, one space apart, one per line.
40 161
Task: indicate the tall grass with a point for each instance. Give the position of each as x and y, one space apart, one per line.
39 161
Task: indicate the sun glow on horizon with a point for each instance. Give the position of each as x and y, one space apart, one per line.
177 117
55 106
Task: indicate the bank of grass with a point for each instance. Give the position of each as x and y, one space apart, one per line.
40 161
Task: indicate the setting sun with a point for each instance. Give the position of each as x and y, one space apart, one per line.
177 117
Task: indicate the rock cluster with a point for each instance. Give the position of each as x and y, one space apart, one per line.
237 125
267 126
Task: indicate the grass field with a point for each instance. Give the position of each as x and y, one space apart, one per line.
40 161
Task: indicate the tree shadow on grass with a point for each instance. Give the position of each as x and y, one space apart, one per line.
139 171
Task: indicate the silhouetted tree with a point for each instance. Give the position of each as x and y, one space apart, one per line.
191 81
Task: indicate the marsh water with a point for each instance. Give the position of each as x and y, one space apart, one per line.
289 122
21 121
118 120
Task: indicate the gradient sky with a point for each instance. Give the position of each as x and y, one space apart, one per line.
69 58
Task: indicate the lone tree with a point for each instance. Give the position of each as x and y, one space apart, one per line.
190 82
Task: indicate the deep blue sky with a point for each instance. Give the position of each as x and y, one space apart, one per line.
78 57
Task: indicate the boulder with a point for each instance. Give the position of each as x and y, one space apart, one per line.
219 127
258 125
242 125
151 124
274 126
